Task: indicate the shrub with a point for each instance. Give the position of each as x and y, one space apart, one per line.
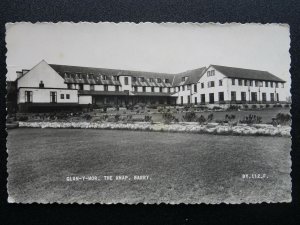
254 106
267 106
148 118
23 118
201 119
251 119
210 117
229 118
282 119
233 108
117 117
245 106
189 117
152 106
129 118
286 105
160 110
168 117
87 116
216 108
261 106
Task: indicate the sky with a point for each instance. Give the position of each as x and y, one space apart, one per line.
165 47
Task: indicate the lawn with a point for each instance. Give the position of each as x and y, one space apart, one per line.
190 168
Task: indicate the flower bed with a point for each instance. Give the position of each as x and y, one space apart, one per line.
211 128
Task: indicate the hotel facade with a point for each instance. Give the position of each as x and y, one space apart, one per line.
48 86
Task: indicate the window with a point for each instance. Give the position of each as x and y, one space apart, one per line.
28 96
169 90
233 81
272 97
67 96
260 83
202 98
189 99
126 80
250 83
105 87
53 97
135 89
181 100
158 80
211 98
220 82
41 85
62 96
266 84
254 96
202 85
240 82
271 84
104 77
243 96
117 88
195 101
69 86
80 86
152 89
246 82
133 79
233 96
182 79
115 78
264 97
211 84
144 89
277 97
195 87
142 79
167 81
188 87
210 73
221 96
276 84
183 87
282 85
160 89
256 83
92 87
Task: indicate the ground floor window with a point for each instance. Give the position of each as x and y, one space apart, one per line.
181 100
264 97
144 89
243 96
253 96
67 96
211 98
221 96
105 87
203 98
53 97
196 100
117 88
272 97
277 97
80 86
233 96
92 87
189 99
62 96
28 96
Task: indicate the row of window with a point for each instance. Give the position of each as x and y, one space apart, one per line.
142 79
90 76
188 87
92 87
53 96
253 97
135 89
245 83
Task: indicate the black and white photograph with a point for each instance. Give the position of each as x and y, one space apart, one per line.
148 113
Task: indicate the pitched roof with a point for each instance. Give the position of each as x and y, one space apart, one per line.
234 72
193 76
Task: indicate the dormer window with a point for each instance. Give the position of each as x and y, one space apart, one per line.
167 81
115 78
182 79
142 79
211 73
151 80
104 77
133 79
158 80
41 85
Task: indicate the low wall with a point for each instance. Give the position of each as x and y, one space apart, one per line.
213 128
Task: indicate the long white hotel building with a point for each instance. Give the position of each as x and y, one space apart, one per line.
48 86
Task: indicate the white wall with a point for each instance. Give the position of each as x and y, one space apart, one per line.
43 95
42 72
122 81
85 99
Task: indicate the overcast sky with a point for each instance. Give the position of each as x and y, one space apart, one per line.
170 48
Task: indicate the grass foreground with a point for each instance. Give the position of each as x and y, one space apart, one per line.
182 168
